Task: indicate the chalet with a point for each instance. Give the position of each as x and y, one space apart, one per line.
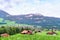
51 33
4 35
26 32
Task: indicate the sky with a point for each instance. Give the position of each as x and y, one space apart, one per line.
45 7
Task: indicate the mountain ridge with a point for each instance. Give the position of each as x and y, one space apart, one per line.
33 19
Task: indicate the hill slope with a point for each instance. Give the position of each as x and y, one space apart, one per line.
32 19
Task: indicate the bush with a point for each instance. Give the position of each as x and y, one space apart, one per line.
13 30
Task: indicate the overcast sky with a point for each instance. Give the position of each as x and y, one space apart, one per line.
44 7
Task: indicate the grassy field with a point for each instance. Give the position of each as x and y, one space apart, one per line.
37 36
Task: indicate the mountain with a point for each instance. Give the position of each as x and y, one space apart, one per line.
32 19
3 14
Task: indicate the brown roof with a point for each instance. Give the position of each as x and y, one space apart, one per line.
4 35
26 32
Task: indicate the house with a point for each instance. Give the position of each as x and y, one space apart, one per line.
4 35
37 31
26 32
51 33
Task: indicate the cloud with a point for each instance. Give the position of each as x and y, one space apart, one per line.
45 7
15 7
50 9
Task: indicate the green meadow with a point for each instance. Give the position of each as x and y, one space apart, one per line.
36 36
12 27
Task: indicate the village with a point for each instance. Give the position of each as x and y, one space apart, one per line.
8 31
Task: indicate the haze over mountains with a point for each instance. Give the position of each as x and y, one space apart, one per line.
31 19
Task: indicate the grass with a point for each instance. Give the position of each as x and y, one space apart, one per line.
37 36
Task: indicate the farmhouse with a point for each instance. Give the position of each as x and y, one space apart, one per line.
4 35
51 33
37 31
26 32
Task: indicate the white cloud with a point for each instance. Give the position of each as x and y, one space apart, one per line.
47 8
24 7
